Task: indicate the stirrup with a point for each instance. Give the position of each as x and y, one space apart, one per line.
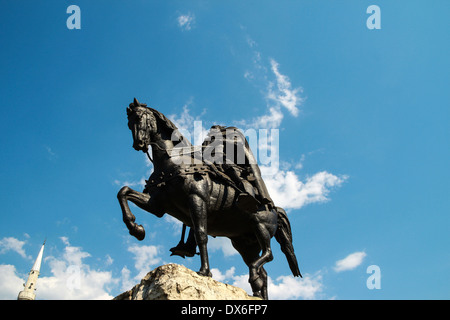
182 250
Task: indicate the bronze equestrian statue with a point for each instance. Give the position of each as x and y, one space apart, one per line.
209 190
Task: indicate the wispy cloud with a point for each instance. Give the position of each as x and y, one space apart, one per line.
186 21
350 262
282 93
283 98
190 126
279 95
278 91
13 244
51 155
137 183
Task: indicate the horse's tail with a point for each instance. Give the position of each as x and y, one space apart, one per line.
284 237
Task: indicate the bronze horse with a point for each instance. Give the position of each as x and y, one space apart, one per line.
199 197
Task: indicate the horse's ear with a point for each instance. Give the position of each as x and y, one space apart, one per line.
136 103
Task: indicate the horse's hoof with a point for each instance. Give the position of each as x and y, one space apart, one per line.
138 232
205 273
258 295
257 284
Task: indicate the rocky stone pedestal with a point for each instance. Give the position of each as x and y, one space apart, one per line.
176 282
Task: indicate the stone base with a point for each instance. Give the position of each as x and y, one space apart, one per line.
176 282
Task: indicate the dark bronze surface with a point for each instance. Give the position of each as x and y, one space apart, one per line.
209 191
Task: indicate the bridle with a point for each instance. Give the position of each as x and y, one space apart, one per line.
138 129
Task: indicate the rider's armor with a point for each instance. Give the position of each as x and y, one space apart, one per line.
240 166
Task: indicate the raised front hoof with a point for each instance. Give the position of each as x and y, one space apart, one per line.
138 232
204 273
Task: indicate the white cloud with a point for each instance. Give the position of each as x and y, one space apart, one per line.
350 262
65 240
11 283
222 277
283 288
299 164
51 155
130 183
74 255
270 120
223 244
191 127
279 95
184 120
13 244
288 192
248 75
278 92
127 282
186 21
108 260
283 94
145 258
289 287
72 278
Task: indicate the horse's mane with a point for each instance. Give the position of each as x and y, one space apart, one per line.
165 121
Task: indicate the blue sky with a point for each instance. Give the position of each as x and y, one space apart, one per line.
363 138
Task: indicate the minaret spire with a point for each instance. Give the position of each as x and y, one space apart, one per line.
30 286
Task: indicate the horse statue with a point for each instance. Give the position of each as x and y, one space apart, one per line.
212 198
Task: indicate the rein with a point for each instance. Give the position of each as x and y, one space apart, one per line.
149 158
157 146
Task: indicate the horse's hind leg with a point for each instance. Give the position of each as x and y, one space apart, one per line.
264 228
264 291
248 248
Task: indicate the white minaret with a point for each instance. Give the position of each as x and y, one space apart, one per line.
30 286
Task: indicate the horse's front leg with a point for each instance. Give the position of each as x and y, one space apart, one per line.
199 219
142 200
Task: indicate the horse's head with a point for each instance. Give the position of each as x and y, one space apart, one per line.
142 124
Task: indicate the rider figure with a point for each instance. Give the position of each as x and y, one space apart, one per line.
245 176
